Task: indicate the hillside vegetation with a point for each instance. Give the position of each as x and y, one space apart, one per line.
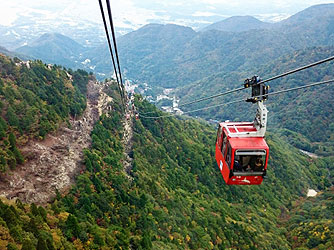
34 100
310 224
175 198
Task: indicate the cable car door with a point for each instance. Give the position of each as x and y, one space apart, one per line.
221 150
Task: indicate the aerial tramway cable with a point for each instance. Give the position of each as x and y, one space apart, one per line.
262 81
118 72
109 44
115 44
298 69
243 100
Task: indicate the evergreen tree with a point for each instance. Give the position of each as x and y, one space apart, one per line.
28 245
12 118
41 244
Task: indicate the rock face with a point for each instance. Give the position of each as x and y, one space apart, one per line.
51 164
127 141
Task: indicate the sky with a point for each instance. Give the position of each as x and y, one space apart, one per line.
135 13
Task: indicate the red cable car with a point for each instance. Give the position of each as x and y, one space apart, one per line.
241 150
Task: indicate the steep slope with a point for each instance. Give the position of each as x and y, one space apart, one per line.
186 176
52 163
238 24
34 100
53 48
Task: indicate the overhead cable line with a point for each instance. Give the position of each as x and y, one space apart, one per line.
109 43
211 97
243 100
187 112
115 45
262 81
298 69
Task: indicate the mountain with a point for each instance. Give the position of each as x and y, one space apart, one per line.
238 24
198 55
4 51
27 27
172 197
53 48
172 56
308 15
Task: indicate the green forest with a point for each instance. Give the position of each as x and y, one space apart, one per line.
175 196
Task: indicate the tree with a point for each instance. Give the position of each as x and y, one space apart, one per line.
146 242
41 244
12 118
72 227
34 210
11 246
28 245
12 140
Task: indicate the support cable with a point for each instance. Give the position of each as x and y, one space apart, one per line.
108 39
115 45
263 81
243 100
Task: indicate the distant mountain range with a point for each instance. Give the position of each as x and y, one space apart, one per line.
189 56
174 56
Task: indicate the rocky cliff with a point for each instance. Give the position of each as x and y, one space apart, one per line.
52 163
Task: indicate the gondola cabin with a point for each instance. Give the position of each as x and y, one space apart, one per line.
241 153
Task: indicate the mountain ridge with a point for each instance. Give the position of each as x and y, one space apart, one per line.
238 24
53 48
173 56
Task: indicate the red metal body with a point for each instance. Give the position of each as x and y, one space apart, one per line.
235 142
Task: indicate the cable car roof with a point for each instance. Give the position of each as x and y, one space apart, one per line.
248 143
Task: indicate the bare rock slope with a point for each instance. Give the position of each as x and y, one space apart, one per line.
51 164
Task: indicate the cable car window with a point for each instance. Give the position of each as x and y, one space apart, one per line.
219 134
228 155
224 143
249 160
250 152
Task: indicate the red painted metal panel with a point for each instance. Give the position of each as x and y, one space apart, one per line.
245 180
222 164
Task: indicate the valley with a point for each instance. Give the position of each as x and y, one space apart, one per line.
81 171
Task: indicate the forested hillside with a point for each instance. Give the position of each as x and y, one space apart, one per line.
174 199
171 194
34 100
310 223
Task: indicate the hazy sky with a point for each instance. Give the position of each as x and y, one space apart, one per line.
140 12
